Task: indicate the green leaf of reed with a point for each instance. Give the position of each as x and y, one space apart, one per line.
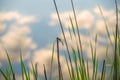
69 71
24 71
3 74
88 77
34 72
51 66
72 25
10 64
75 61
7 73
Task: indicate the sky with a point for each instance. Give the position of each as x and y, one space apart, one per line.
33 26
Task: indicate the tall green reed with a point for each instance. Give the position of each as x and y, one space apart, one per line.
115 75
64 36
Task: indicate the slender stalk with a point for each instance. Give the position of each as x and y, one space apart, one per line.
36 73
51 65
103 70
106 25
64 37
88 77
70 75
77 27
116 35
14 76
78 34
45 72
58 56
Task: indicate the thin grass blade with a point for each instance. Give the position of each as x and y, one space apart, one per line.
69 71
58 56
45 72
106 25
52 61
3 74
24 71
10 64
63 35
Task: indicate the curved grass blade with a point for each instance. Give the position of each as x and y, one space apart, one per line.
5 76
75 61
7 73
52 61
34 70
58 56
72 24
24 71
10 64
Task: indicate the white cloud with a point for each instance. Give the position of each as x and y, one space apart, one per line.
7 16
17 36
107 13
100 27
26 20
2 56
2 27
64 17
85 19
14 15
